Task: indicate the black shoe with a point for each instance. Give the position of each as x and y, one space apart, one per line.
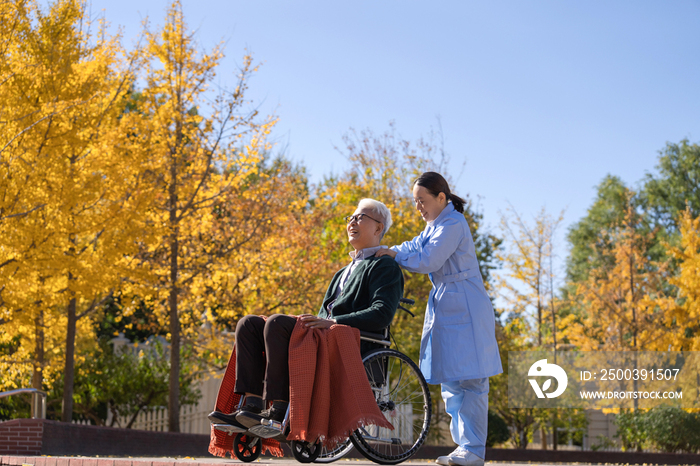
275 413
250 419
250 408
217 417
248 414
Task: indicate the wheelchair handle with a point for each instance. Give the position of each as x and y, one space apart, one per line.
407 301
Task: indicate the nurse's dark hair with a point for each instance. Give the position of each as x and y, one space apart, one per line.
436 184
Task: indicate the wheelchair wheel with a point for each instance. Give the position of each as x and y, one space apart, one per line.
305 452
340 450
403 397
246 447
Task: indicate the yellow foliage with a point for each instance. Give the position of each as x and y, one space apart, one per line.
196 158
682 308
63 219
528 282
618 313
383 167
164 197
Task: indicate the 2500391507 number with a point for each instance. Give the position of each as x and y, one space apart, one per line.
639 374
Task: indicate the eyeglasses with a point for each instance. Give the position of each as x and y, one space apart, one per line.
358 218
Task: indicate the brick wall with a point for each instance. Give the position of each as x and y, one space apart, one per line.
27 437
70 439
21 437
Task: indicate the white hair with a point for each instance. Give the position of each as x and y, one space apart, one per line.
380 210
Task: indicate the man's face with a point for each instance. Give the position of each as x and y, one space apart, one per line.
363 231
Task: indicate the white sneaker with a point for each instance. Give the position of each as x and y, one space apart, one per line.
460 457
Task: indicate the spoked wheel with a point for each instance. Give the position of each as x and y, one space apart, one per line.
333 454
305 452
403 397
246 447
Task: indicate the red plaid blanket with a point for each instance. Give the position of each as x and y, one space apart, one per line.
329 391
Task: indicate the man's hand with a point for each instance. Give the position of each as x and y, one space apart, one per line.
311 321
386 252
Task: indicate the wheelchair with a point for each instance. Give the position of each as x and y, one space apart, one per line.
402 395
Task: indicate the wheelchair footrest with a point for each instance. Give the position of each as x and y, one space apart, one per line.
228 428
267 430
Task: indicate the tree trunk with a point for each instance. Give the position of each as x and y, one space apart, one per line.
543 435
174 391
39 356
130 424
539 304
69 370
634 303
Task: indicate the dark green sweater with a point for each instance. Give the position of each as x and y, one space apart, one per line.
370 296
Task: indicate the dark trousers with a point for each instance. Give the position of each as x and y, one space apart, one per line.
262 353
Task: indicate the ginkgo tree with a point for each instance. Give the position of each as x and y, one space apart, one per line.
66 86
528 288
263 257
681 304
159 192
616 313
528 281
198 143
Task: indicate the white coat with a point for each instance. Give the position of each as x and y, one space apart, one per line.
459 335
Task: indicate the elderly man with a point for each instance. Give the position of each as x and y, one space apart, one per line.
365 294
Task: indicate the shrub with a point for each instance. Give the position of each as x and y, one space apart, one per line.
672 429
668 429
631 429
497 430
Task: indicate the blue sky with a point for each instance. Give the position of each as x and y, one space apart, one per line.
541 99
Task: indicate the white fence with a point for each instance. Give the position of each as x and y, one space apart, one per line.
193 419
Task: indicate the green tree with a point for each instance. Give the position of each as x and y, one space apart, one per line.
592 243
616 313
676 185
126 381
587 248
514 335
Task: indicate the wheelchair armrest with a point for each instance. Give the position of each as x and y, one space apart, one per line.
381 338
373 335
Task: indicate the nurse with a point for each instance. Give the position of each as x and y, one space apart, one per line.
458 345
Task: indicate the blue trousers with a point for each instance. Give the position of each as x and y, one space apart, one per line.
467 402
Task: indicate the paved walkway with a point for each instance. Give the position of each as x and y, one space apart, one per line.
263 461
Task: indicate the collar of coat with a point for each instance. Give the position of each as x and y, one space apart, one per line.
449 208
365 253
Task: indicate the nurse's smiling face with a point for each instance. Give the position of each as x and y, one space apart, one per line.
428 205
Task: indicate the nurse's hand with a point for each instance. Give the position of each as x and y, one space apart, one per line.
386 252
311 321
